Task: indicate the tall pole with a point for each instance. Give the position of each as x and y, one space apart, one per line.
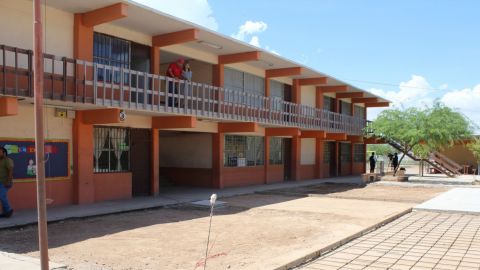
39 133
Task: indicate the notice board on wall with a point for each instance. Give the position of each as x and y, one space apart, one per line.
22 152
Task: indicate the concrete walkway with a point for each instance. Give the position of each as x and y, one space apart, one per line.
167 197
18 262
443 179
457 200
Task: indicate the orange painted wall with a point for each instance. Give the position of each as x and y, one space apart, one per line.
274 174
243 176
24 195
112 186
345 169
358 168
195 177
307 172
325 170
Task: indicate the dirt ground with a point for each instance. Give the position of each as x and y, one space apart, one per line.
257 231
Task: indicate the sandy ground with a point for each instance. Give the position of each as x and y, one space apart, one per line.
257 231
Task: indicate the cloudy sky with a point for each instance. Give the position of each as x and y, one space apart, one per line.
410 52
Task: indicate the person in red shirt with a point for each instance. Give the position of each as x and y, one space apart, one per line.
174 71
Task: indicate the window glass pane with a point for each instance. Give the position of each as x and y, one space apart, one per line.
111 149
359 111
346 108
327 103
241 151
276 151
345 152
359 153
328 149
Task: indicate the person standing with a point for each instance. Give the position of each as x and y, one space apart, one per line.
6 181
395 162
373 161
187 76
174 71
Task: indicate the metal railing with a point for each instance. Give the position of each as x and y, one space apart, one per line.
86 82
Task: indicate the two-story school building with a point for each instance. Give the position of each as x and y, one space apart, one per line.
117 128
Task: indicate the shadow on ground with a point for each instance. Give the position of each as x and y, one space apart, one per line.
75 230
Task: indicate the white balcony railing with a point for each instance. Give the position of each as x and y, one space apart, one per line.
87 82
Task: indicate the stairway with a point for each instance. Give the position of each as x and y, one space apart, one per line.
436 160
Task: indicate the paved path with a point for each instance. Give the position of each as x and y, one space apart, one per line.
419 240
18 262
461 200
167 197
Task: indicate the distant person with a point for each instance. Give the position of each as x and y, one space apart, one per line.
6 182
174 71
187 76
395 161
373 161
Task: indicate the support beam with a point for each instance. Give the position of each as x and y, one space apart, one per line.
175 38
373 140
313 134
378 104
174 122
336 137
105 14
313 81
350 95
283 72
282 132
332 89
8 106
101 116
355 139
237 127
238 57
364 100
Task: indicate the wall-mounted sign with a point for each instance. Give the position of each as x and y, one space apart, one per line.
22 152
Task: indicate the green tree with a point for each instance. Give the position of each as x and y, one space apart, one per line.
380 149
430 129
474 147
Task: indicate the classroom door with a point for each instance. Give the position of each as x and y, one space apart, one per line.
140 161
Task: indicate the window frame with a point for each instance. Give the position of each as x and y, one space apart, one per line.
99 149
251 148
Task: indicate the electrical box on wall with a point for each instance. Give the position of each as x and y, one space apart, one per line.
61 113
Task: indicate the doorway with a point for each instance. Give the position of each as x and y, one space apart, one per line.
140 161
333 161
287 159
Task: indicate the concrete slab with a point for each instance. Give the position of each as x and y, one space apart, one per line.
461 200
12 261
443 179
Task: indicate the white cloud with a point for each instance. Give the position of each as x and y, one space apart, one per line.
443 86
250 28
415 92
196 11
466 101
255 41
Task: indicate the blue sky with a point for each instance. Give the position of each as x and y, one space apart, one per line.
408 51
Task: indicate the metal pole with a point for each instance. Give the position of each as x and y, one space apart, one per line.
39 133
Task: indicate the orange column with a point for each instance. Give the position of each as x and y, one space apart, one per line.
83 160
218 75
155 60
318 141
155 174
296 152
82 39
267 158
217 159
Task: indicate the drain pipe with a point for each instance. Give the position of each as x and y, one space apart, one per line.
213 199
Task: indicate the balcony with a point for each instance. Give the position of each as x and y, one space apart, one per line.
83 82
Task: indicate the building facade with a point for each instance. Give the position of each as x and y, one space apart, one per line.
117 128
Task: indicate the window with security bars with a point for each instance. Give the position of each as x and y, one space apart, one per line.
328 150
111 151
241 151
359 111
327 103
346 108
345 152
111 51
242 82
276 151
359 153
